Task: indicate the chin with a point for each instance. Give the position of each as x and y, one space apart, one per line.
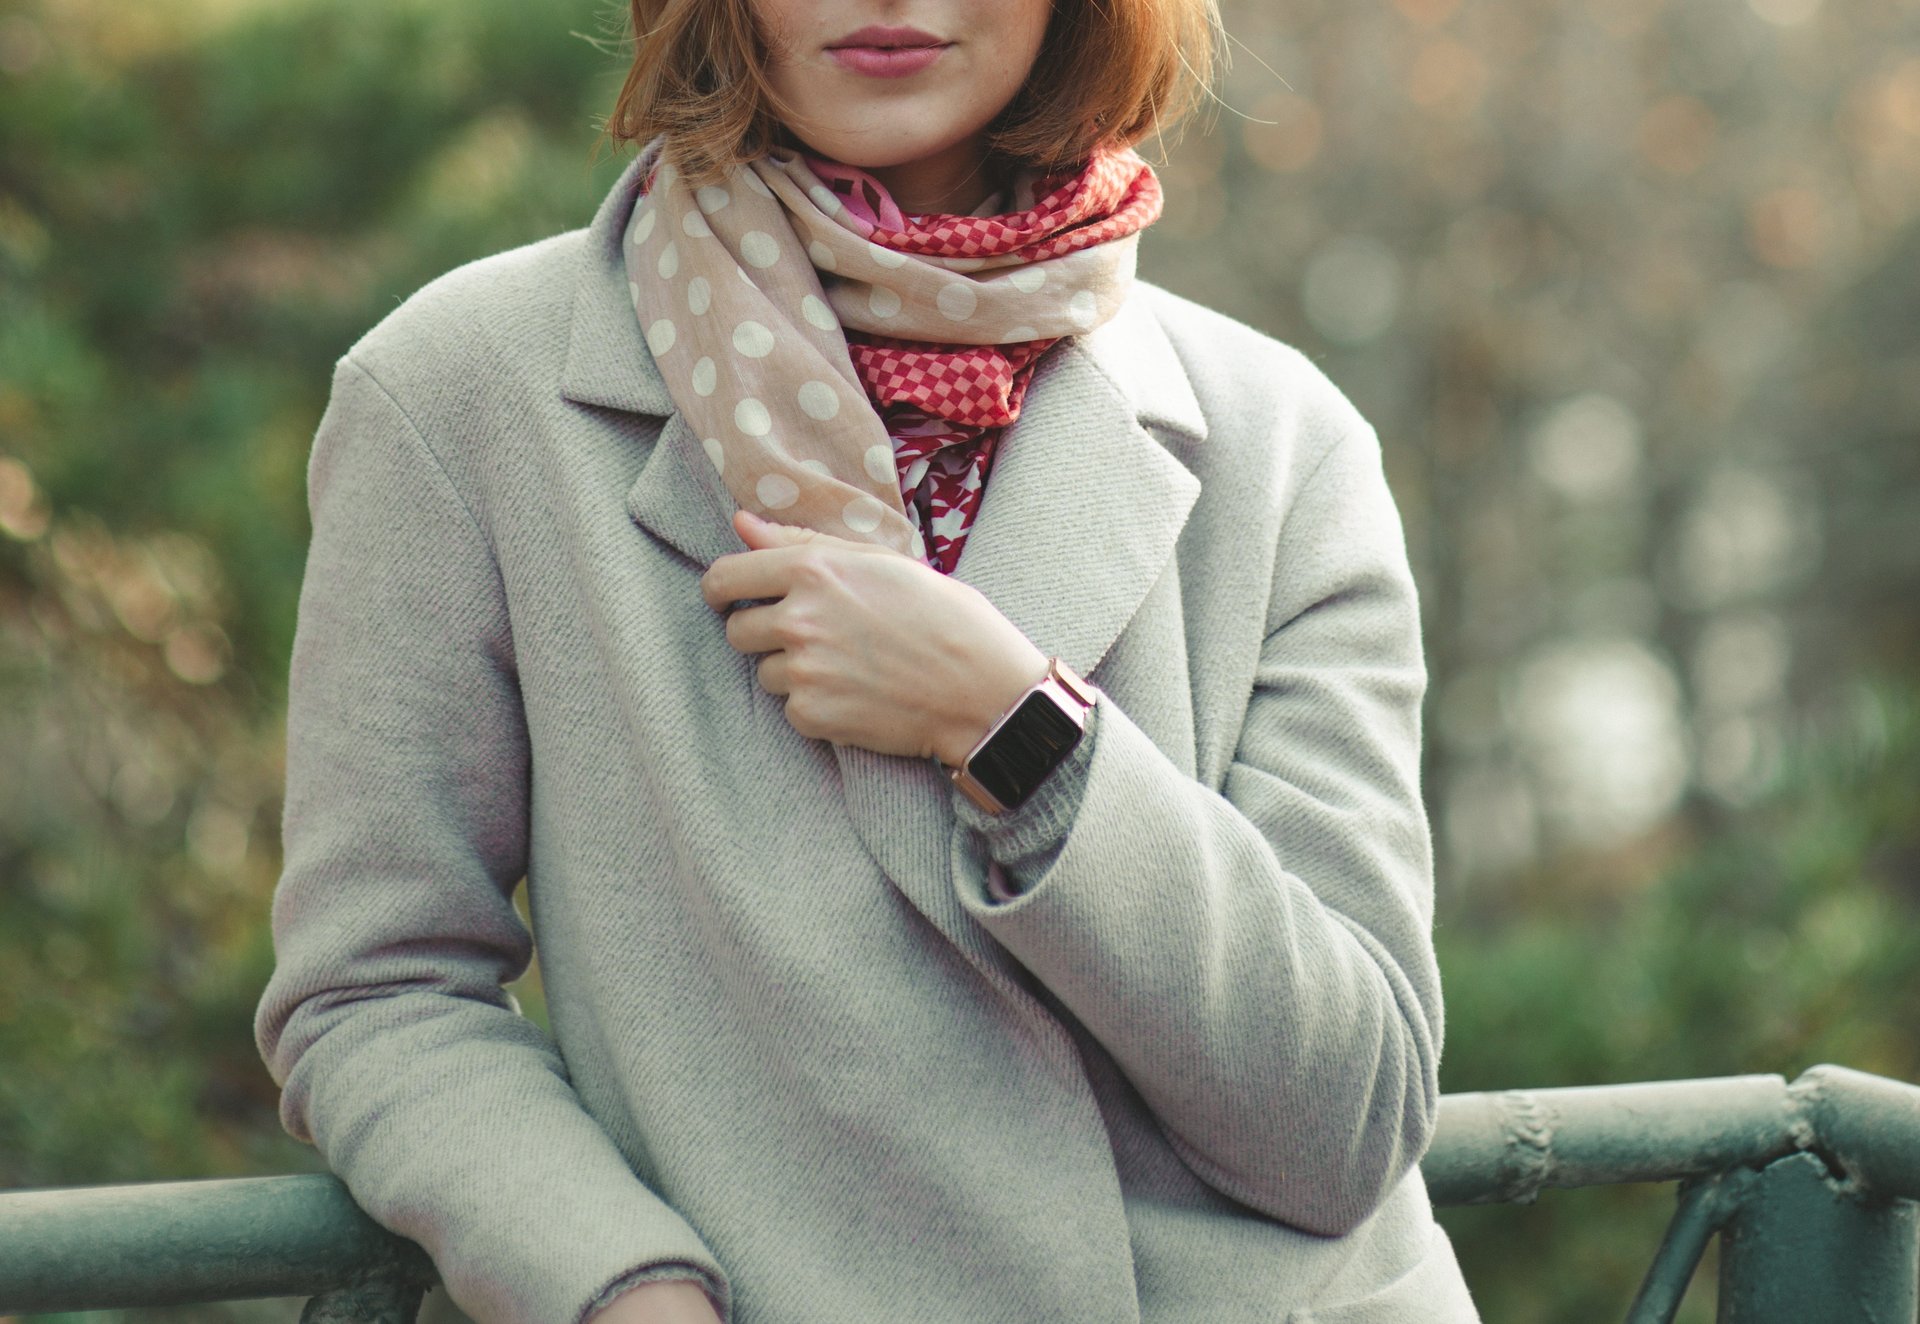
870 157
887 143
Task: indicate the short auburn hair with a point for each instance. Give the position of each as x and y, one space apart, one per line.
1109 73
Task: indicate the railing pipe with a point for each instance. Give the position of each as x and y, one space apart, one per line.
1510 1146
1870 1124
171 1243
1706 1204
177 1243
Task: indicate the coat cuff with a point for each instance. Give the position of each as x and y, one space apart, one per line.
659 1273
1024 842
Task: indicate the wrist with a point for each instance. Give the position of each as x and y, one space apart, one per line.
1010 675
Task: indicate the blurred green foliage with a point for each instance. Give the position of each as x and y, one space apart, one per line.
1628 349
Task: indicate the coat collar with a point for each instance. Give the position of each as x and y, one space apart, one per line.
607 359
1081 512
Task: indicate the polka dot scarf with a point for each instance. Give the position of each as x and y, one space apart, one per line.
849 369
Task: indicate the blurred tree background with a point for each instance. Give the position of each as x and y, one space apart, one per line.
1632 293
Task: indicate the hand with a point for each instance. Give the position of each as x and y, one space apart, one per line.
869 646
673 1301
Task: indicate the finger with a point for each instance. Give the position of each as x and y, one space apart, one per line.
759 531
773 674
738 576
751 629
765 572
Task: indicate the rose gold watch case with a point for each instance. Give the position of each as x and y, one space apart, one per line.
1068 691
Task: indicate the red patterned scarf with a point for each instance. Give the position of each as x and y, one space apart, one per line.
945 406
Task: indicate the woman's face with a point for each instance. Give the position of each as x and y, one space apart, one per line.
883 83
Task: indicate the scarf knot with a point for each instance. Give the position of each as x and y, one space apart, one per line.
980 386
849 368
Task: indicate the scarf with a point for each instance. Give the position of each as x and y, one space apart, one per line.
847 368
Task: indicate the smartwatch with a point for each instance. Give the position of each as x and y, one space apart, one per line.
1030 740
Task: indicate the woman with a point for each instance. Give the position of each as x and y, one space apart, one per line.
728 570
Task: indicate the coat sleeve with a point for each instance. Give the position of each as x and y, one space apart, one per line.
402 1059
1259 960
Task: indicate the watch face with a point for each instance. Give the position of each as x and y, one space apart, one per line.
1028 746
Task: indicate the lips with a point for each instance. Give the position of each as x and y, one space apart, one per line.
880 37
887 52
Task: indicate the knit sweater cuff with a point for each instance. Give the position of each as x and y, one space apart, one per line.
1025 841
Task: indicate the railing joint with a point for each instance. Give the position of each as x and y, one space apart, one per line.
381 1302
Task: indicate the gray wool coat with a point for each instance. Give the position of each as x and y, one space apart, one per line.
798 1051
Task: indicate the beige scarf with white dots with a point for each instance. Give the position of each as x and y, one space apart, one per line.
742 289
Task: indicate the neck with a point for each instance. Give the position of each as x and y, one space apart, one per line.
952 182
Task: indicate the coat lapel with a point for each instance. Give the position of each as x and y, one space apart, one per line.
1082 509
1079 519
1083 504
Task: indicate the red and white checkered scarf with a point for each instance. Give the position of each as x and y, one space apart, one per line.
936 320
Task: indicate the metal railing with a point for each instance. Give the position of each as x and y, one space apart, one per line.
1812 1186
